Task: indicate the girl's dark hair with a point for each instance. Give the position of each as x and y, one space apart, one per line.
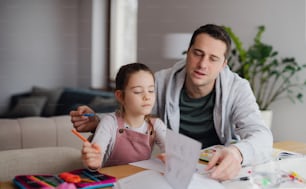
216 32
126 71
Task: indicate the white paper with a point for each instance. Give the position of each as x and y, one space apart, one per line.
153 164
147 179
150 179
202 182
182 155
296 164
182 170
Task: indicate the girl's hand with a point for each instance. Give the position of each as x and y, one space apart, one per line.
162 157
91 155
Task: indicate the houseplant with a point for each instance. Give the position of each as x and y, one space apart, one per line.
271 78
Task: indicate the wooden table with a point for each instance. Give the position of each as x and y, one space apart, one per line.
293 146
126 170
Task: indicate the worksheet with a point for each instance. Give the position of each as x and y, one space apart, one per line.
182 155
181 170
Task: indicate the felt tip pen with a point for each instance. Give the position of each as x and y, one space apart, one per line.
89 114
244 178
79 135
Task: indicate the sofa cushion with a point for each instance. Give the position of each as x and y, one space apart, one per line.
33 132
52 98
61 101
28 106
71 98
102 104
10 134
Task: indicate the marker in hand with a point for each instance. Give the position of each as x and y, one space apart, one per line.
89 114
79 135
84 139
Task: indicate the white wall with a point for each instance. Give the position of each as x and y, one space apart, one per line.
285 30
42 43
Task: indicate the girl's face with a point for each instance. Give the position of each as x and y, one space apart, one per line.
139 94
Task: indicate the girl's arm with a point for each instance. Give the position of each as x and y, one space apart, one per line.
160 129
105 135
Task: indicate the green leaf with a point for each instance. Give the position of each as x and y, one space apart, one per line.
270 76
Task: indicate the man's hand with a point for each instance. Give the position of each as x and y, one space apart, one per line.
91 155
84 123
225 164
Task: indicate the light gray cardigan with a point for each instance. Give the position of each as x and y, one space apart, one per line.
237 117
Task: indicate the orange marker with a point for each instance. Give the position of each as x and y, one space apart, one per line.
69 177
79 135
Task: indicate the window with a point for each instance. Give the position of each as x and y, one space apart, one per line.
123 34
114 39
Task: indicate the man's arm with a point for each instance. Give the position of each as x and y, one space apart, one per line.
255 138
242 121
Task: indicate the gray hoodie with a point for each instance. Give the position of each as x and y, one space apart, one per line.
237 118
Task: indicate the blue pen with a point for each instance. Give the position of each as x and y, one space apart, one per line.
89 114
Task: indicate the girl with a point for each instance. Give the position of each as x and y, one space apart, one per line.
128 134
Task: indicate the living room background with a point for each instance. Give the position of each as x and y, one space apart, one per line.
48 43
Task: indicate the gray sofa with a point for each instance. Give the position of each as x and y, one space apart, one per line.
46 102
44 160
33 132
38 145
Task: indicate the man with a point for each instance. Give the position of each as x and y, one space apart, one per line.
201 98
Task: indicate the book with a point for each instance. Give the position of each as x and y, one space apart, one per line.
81 178
279 154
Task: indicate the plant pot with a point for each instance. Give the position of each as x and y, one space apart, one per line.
267 116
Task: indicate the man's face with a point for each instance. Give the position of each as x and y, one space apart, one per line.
205 59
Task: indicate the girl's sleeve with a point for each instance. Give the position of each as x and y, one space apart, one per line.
105 134
160 129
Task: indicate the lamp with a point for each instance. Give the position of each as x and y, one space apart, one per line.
175 44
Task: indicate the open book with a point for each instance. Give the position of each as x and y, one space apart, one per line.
81 178
279 154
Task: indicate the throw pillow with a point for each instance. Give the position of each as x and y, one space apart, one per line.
102 105
52 98
28 106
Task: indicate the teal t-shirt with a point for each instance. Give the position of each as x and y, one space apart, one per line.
196 118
